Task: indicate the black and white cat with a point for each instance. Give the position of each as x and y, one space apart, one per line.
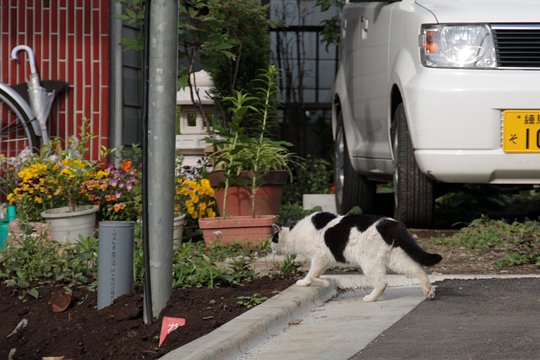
373 243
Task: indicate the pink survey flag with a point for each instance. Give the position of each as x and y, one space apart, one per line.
168 325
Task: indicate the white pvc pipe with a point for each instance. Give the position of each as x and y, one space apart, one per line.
30 54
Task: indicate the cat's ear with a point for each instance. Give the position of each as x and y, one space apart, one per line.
275 229
290 224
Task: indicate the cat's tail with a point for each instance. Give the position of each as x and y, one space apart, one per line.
395 232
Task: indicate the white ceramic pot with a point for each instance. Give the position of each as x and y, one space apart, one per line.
67 226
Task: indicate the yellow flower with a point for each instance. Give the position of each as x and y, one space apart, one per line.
68 173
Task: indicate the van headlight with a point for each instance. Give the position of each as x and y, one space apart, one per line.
457 46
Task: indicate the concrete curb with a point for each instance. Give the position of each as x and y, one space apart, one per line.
250 329
359 281
254 326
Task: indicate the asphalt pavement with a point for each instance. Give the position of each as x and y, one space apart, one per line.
472 317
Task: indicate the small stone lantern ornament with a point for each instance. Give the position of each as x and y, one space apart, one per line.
192 129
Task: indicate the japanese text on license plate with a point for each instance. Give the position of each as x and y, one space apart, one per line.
521 131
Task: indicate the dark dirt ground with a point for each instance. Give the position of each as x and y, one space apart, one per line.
118 331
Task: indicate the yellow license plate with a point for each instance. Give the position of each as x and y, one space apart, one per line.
521 131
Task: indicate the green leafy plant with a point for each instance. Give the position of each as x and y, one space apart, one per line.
519 240
331 26
251 301
513 259
311 176
32 261
241 270
192 267
196 266
230 39
481 233
237 149
289 268
467 202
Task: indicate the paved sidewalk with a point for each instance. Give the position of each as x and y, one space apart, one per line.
339 328
300 322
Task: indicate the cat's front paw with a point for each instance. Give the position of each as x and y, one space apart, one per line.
303 282
321 282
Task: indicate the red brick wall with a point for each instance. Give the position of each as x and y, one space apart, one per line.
70 39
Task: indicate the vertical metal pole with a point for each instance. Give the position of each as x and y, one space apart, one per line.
162 69
147 313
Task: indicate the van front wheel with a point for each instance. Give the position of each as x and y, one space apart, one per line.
414 202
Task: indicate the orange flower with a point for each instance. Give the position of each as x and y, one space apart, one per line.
126 165
119 207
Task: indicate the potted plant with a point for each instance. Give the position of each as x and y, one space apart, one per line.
67 170
26 200
243 158
49 185
116 190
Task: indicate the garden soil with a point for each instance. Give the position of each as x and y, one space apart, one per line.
118 331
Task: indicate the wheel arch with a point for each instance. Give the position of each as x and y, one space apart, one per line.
395 100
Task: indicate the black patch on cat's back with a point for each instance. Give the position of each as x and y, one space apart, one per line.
387 228
322 219
337 237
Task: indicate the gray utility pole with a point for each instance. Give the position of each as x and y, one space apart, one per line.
162 74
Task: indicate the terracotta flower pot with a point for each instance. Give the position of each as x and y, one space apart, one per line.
268 199
243 229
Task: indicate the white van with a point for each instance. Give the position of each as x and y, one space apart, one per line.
435 91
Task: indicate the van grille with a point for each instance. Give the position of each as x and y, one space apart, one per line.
517 46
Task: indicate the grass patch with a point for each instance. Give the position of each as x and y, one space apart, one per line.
31 262
519 240
251 301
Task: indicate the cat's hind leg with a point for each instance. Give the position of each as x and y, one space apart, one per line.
427 288
317 267
401 263
376 274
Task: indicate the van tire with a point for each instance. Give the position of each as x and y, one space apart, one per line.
414 202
